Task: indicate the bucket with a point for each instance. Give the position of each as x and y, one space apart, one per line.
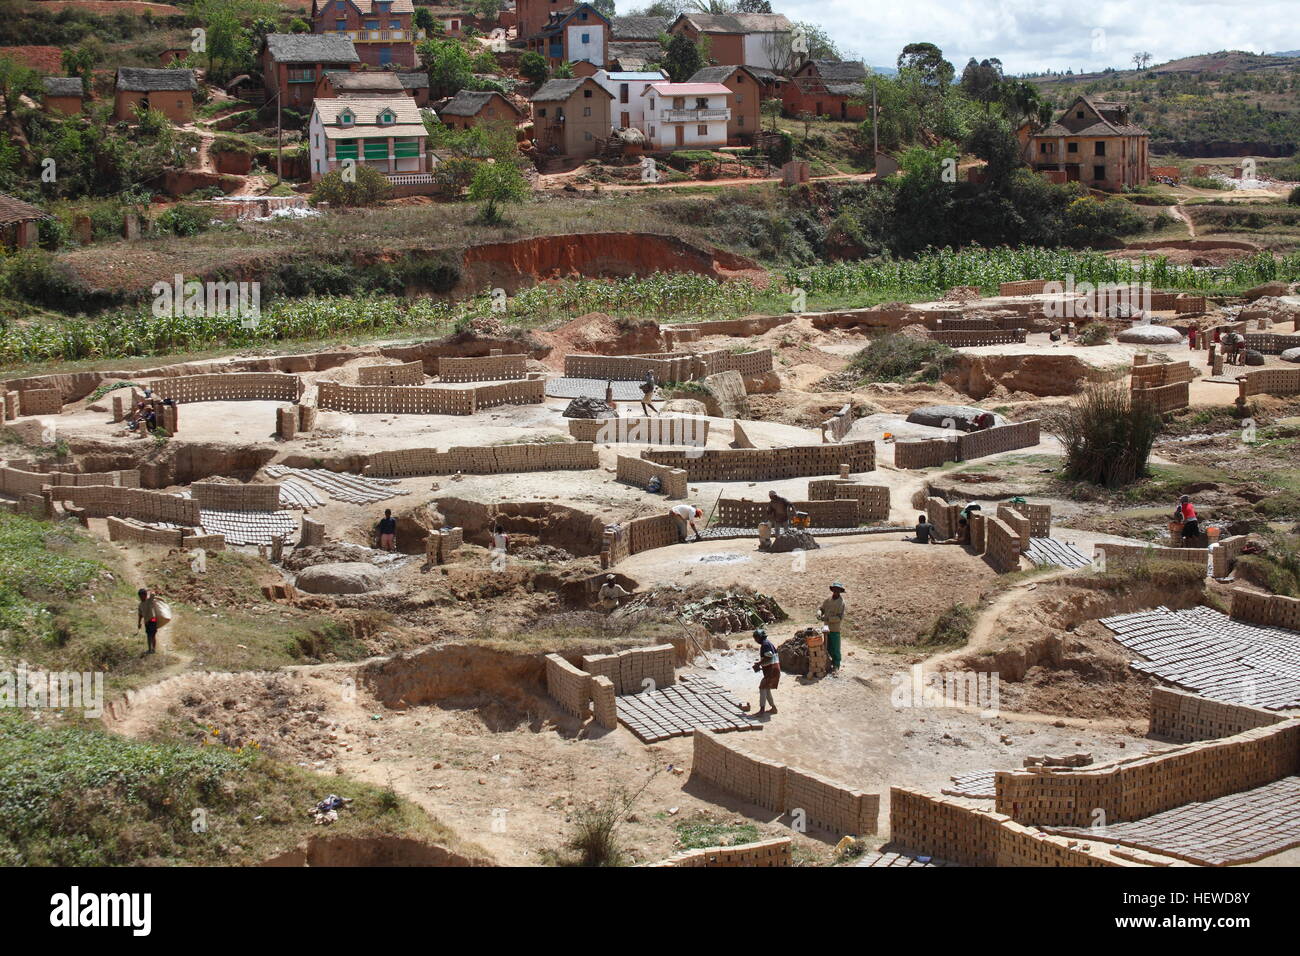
1213 534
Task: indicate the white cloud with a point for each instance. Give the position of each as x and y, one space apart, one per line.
1032 35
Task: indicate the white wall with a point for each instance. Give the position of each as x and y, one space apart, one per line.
316 134
592 51
758 49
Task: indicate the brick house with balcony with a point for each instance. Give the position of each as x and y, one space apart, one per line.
382 30
827 88
746 88
739 39
470 108
686 115
574 35
384 132
571 115
1092 142
293 63
170 92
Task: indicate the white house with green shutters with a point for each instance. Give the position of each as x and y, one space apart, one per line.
385 132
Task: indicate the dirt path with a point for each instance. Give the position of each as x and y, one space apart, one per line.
1177 212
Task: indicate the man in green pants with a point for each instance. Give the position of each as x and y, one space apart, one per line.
832 615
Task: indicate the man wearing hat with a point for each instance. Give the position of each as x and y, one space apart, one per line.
832 615
611 593
769 662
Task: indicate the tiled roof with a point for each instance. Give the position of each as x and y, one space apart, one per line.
15 210
366 111
639 28
631 54
1101 119
311 48
368 6
63 86
134 79
834 70
739 22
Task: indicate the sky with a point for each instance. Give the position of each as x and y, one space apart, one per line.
1030 36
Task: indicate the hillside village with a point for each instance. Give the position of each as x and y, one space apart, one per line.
497 434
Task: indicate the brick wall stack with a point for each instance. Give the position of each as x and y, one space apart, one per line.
529 392
484 459
441 545
230 387
767 783
831 513
628 670
973 338
169 419
652 531
216 496
1154 374
1270 610
746 363
1017 522
947 830
1001 546
838 425
307 415
17 481
1185 304
1182 717
991 441
124 529
395 400
568 686
101 501
313 533
764 853
767 464
1271 343
637 471
1137 787
942 515
286 423
1130 554
489 368
209 542
604 706
925 454
40 401
1040 518
406 373
1272 381
1162 398
1224 554
667 366
873 500
978 532
652 431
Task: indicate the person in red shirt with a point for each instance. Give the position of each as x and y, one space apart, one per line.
1186 513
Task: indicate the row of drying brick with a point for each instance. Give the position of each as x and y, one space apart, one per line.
637 471
32 401
229 387
1184 718
873 500
650 431
15 481
931 452
776 852
101 501
1271 381
484 459
126 529
767 464
833 513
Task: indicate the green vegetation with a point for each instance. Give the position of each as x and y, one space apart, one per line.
361 185
951 629
1206 182
1106 436
701 833
1094 333
898 358
39 563
1278 567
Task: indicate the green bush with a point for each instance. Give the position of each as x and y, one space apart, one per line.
683 159
369 188
898 358
1205 182
1094 333
183 220
1106 436
35 276
1294 197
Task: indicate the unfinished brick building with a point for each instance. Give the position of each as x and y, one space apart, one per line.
1092 142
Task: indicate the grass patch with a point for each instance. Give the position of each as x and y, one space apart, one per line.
702 833
951 629
898 358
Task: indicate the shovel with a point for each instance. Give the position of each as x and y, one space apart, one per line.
691 637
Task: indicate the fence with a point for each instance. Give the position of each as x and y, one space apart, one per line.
484 459
767 464
823 802
230 387
637 471
407 373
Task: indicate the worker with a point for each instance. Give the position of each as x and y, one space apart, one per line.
831 613
686 516
924 532
648 394
611 594
1234 344
146 614
1185 513
779 512
1192 331
500 540
609 396
963 532
969 510
769 662
388 531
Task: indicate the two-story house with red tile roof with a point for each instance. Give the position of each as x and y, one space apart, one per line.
382 30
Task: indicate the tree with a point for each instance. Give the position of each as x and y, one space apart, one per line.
683 59
564 71
80 61
533 68
927 62
367 187
486 9
754 6
604 7
982 81
494 185
806 117
771 108
423 19
1021 101
449 66
16 80
993 141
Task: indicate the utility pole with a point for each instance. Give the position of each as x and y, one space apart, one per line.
875 122
279 137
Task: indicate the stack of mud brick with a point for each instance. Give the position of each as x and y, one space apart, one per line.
491 368
1040 518
100 501
637 471
1183 718
1127 555
819 659
1017 522
873 500
1271 343
980 323
442 544
990 441
1001 545
947 830
230 387
675 337
1023 287
29 477
529 392
830 513
123 405
614 546
16 483
765 853
126 529
823 802
942 515
1270 381
929 453
407 373
313 533
216 496
972 338
838 425
293 419
629 670
746 363
1224 554
666 367
395 400
1185 304
767 464
1162 387
208 542
652 431
9 406
484 459
1138 787
652 531
40 401
170 419
978 533
579 693
1270 610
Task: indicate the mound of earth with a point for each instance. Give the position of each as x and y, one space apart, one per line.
589 408
1150 335
792 541
794 652
336 552
951 416
351 577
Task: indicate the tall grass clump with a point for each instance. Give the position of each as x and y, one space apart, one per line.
897 358
1107 436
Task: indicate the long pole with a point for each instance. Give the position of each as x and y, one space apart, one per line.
875 140
279 139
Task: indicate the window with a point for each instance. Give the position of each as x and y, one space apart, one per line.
740 121
341 25
1099 149
1099 172
586 94
652 104
1071 147
586 111
740 99
394 24
346 118
372 24
1079 115
387 118
586 38
542 111
702 130
587 135
701 102
622 92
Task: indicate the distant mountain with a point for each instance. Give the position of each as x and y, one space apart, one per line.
883 70
1287 53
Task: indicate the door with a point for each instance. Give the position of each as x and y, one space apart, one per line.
681 135
625 120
